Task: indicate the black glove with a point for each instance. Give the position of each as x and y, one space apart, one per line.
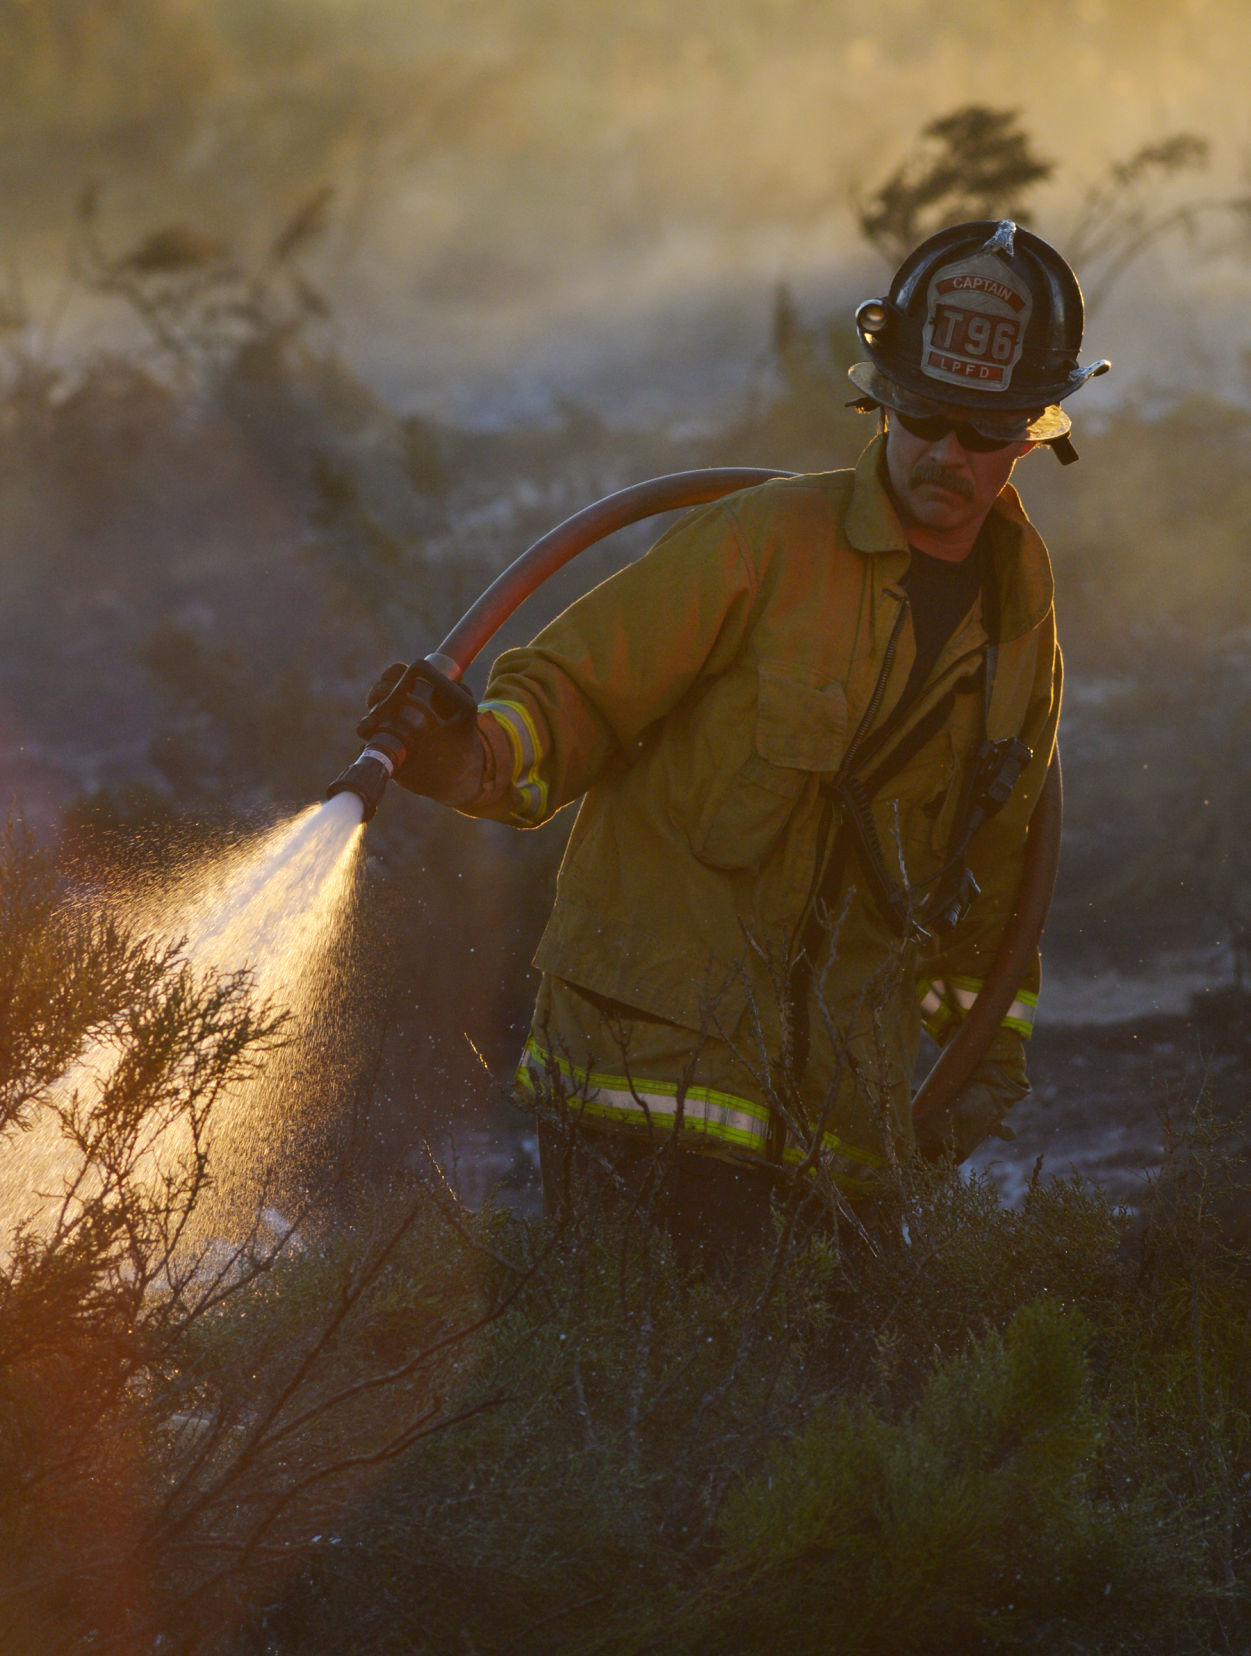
435 721
379 690
976 1113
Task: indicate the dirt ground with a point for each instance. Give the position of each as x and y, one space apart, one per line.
1104 1093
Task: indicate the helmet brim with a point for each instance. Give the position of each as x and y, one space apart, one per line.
1028 426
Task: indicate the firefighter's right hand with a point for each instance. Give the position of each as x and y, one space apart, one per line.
436 721
954 1132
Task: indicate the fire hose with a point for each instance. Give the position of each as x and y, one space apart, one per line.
368 776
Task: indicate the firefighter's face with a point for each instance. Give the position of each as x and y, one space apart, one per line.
939 485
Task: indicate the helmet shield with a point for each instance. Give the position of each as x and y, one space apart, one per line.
977 311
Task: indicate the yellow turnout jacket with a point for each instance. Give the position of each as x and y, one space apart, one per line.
700 703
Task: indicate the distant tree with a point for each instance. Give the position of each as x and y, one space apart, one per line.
975 163
980 163
1121 213
195 294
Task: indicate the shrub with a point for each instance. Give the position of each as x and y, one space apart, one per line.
395 1426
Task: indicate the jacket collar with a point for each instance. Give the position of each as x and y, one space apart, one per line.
1019 554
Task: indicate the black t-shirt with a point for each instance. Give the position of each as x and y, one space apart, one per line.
940 594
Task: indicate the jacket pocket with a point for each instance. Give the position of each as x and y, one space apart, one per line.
799 734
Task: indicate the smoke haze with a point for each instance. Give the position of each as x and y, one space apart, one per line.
538 196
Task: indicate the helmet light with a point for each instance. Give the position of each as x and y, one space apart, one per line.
871 317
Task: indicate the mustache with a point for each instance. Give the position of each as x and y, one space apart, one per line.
931 471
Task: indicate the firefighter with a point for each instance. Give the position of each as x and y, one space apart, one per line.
807 729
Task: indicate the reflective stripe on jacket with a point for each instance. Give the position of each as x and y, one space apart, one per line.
699 700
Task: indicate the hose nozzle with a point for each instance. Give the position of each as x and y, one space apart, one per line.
366 777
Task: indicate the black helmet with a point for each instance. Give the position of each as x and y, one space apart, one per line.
984 317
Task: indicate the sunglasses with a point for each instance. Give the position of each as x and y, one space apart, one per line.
932 428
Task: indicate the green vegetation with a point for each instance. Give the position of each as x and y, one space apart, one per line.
172 1403
395 1426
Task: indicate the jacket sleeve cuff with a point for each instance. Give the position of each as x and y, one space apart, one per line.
512 787
945 1001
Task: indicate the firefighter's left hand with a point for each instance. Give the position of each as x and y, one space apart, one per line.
974 1115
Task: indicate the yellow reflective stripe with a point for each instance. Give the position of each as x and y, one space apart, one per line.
936 1015
946 999
1019 1016
618 1098
960 991
716 1115
523 738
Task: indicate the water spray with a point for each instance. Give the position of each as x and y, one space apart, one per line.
429 693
